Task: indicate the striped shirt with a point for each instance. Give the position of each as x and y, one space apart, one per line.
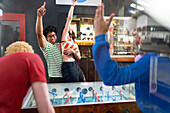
53 58
68 45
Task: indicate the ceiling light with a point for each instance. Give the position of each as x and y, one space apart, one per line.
140 8
1 12
132 11
133 5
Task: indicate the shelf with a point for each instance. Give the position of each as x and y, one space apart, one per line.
123 58
119 58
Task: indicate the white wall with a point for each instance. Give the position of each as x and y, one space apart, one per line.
142 21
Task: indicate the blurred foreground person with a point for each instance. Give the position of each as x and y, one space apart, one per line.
138 73
21 68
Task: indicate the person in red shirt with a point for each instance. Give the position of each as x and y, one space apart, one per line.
21 68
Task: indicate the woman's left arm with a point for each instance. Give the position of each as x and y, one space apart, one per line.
77 53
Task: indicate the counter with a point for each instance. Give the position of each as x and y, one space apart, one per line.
123 58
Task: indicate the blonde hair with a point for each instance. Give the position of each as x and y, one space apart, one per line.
19 46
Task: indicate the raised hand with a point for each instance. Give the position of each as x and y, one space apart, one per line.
41 11
74 1
101 26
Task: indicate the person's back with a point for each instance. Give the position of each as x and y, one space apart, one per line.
18 71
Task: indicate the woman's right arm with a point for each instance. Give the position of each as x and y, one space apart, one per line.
68 22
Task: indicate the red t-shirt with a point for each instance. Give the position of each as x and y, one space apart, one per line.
17 72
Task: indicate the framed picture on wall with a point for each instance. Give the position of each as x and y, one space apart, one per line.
12 28
79 2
